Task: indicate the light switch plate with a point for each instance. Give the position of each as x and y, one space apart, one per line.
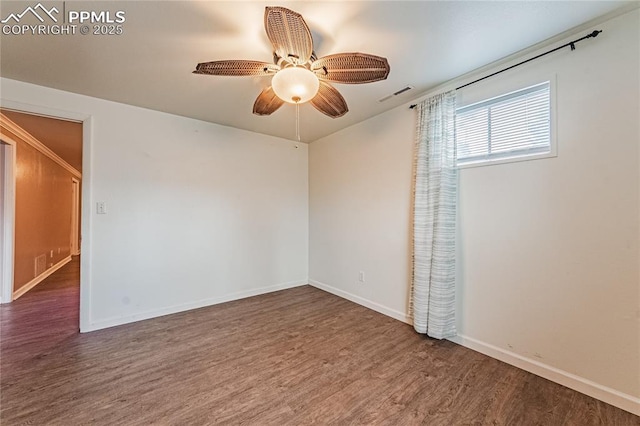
101 207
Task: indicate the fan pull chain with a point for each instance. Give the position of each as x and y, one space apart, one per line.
298 121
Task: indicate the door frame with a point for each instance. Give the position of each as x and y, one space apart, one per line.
75 216
8 218
86 199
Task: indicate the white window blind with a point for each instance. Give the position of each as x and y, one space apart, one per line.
513 125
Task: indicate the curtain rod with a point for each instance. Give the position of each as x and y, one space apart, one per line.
571 43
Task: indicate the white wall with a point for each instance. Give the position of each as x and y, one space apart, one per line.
197 213
548 250
360 197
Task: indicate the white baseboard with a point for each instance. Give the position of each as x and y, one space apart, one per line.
582 385
37 280
603 393
400 316
112 322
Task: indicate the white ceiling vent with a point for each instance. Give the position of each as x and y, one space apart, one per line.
399 92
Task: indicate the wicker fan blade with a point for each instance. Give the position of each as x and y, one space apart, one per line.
351 68
267 102
329 101
289 34
236 68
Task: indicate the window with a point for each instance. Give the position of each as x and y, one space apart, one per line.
514 125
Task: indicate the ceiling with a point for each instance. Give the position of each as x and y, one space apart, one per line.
426 42
61 136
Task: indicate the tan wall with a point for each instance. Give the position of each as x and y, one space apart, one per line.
43 212
2 164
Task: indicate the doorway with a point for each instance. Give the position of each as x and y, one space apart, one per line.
65 246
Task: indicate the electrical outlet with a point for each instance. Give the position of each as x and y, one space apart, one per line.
361 276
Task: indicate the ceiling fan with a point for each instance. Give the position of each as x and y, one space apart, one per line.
298 75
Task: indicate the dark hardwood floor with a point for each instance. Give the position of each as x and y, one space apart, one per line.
294 357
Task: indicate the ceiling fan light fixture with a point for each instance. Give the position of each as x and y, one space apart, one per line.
297 74
295 85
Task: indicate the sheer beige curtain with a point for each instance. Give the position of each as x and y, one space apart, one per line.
434 218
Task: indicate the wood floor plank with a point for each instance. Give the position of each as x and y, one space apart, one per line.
295 357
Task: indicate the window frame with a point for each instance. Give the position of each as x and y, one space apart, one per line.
529 85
